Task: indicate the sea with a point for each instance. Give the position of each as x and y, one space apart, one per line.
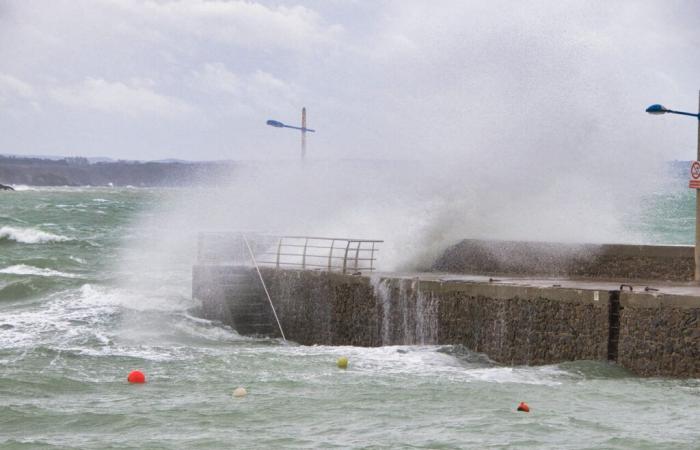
79 311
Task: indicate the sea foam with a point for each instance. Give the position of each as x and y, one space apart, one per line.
23 269
29 235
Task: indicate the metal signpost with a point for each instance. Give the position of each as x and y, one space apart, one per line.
694 178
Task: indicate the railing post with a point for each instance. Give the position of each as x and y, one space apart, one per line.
279 250
357 254
303 258
345 258
330 255
371 259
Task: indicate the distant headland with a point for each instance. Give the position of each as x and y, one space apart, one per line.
79 171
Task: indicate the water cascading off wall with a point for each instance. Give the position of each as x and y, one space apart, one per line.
408 315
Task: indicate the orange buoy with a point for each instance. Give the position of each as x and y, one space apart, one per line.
523 407
136 376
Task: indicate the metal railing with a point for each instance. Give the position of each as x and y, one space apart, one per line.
302 252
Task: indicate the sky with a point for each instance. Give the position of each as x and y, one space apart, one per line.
526 82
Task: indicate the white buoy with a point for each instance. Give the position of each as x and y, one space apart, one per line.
240 392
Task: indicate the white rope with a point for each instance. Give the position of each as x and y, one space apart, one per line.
252 256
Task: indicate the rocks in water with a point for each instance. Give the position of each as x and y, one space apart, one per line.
6 188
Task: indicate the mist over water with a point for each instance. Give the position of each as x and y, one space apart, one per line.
417 207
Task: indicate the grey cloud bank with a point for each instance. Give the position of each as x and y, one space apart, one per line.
197 79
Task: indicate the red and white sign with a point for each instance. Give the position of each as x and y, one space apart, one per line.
694 182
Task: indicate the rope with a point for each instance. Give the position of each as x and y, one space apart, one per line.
252 256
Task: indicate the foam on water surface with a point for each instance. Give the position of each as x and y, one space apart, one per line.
29 235
23 269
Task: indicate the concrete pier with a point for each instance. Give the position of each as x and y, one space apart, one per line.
651 328
512 320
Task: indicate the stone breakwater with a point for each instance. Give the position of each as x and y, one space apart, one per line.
512 323
608 261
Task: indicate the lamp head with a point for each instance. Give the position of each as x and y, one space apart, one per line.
657 109
274 123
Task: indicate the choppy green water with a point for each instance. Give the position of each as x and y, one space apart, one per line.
74 321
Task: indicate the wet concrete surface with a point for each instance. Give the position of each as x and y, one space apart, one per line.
650 287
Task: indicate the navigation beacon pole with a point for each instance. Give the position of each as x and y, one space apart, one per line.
303 134
697 208
303 129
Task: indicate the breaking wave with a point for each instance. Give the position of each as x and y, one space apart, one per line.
23 269
29 235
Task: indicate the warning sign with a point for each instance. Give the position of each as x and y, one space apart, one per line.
694 175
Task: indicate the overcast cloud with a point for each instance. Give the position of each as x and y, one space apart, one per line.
197 79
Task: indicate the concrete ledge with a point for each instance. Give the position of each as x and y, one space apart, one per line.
649 300
604 261
649 251
509 291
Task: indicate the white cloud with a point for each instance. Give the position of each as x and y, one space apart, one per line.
255 91
380 79
11 86
133 99
216 77
244 23
17 97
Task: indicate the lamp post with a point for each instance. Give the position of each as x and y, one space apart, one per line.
302 128
660 109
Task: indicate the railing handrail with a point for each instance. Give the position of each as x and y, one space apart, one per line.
289 236
311 251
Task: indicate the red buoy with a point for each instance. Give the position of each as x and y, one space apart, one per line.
523 407
136 376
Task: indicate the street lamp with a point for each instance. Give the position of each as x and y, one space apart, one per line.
302 128
694 180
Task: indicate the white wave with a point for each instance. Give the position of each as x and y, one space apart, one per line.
539 375
30 235
62 321
426 361
23 187
23 269
78 260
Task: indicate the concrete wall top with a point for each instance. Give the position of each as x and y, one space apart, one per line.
507 291
650 251
652 300
610 261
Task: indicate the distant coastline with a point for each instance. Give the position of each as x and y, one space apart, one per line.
18 170
35 171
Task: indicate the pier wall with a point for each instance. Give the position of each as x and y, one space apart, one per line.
660 335
649 334
511 324
608 261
